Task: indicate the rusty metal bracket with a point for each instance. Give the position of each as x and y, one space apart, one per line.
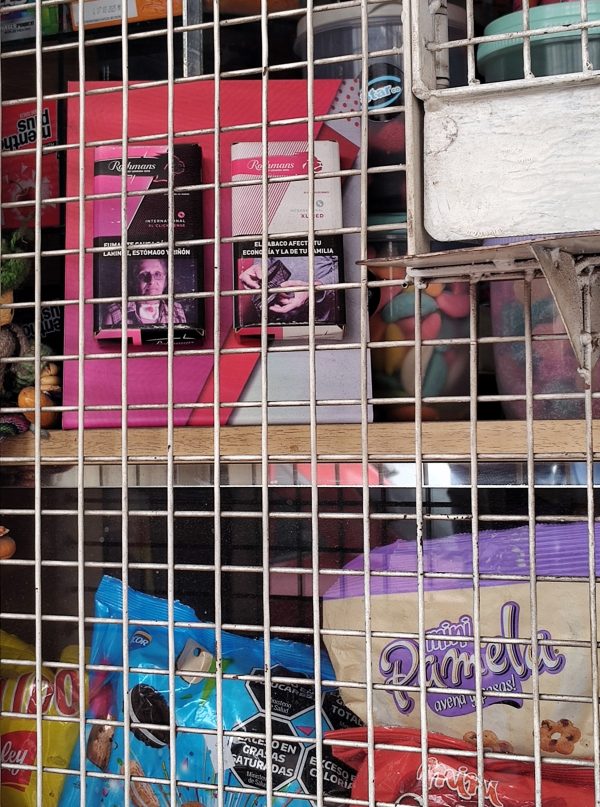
570 264
574 286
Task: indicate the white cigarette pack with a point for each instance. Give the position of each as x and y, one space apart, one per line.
290 280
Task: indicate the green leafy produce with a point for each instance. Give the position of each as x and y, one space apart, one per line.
25 372
13 269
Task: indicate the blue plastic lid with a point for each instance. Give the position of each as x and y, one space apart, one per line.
546 16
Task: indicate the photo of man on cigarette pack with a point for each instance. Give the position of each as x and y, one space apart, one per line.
147 312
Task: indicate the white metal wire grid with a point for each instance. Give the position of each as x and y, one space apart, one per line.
167 465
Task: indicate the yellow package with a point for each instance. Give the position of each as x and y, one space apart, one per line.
18 744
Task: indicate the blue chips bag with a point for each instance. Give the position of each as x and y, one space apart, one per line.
294 717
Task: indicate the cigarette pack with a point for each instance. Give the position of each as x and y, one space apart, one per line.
19 138
100 13
148 224
288 265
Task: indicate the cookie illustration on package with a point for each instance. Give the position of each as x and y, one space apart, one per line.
149 706
559 736
99 745
491 742
141 793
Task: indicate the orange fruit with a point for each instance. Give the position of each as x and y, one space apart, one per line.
26 400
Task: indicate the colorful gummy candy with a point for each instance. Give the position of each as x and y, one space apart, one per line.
445 311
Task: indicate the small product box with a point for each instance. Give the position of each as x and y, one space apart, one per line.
147 234
19 138
100 13
21 24
287 262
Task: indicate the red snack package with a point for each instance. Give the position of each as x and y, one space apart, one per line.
452 780
19 132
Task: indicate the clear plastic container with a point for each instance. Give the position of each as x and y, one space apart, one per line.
445 314
338 33
555 368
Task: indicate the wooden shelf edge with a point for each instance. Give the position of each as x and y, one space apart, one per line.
335 442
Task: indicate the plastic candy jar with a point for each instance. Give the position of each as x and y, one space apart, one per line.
554 365
444 315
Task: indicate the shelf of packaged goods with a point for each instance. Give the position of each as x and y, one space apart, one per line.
386 442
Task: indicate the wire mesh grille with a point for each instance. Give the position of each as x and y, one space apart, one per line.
294 522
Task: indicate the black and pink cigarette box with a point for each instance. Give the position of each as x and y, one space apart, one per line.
148 313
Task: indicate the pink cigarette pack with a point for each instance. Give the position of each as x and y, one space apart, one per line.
287 264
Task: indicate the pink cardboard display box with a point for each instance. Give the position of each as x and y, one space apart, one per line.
338 374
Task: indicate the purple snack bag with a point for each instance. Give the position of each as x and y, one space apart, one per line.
507 661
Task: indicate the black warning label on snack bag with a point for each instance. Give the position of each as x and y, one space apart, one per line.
293 758
250 756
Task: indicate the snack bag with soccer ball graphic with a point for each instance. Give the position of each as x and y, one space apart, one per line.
295 714
18 736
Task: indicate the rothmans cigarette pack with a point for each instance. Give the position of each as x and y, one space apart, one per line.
147 312
287 266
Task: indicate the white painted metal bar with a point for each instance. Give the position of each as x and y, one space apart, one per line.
264 406
364 436
81 532
170 491
312 395
217 577
531 511
586 64
527 73
471 69
420 538
127 772
477 647
593 572
37 269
